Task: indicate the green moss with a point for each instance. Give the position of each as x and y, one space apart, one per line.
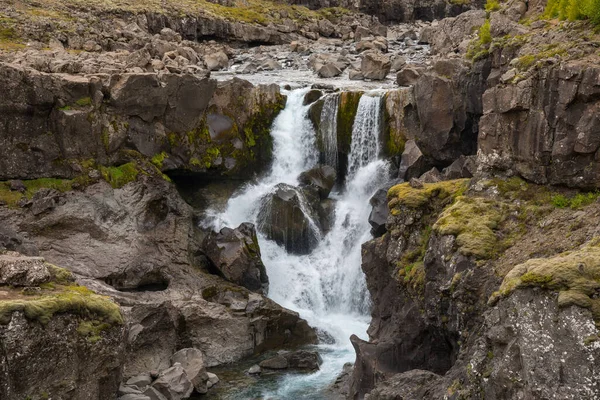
403 195
84 102
529 60
575 202
573 9
574 274
77 300
92 330
60 275
492 5
158 159
11 198
173 139
121 175
473 221
413 276
347 108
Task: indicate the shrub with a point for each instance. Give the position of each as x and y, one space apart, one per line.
574 9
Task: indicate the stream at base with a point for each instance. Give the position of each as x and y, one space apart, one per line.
327 286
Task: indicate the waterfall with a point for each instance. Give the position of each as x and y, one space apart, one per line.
365 134
328 132
326 286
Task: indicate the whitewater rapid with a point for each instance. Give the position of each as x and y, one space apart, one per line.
327 286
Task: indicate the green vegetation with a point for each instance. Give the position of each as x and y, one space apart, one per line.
574 274
473 221
492 5
575 202
72 299
573 10
92 330
479 47
11 198
84 102
403 195
121 175
158 159
527 61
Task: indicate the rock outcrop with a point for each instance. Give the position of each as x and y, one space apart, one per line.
235 254
176 121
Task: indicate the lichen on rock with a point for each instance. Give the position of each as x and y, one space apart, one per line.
574 274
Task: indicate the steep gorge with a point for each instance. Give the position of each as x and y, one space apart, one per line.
480 279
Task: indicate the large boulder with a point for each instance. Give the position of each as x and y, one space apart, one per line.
375 65
289 217
192 362
379 212
173 383
235 255
300 359
413 163
321 177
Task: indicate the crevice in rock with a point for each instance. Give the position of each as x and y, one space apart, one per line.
201 191
149 283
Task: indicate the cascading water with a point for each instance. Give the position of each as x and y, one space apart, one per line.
365 134
329 131
327 286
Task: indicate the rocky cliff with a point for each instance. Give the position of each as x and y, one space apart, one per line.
483 288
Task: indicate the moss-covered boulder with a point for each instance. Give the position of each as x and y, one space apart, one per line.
60 339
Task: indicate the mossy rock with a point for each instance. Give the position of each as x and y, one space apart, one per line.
59 299
473 220
574 274
403 195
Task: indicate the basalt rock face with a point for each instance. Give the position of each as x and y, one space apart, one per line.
179 122
544 128
458 311
440 113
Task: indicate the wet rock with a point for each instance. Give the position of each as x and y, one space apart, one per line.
290 218
379 212
19 270
192 362
413 163
254 370
303 359
321 177
213 379
277 362
173 383
312 96
375 65
235 255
